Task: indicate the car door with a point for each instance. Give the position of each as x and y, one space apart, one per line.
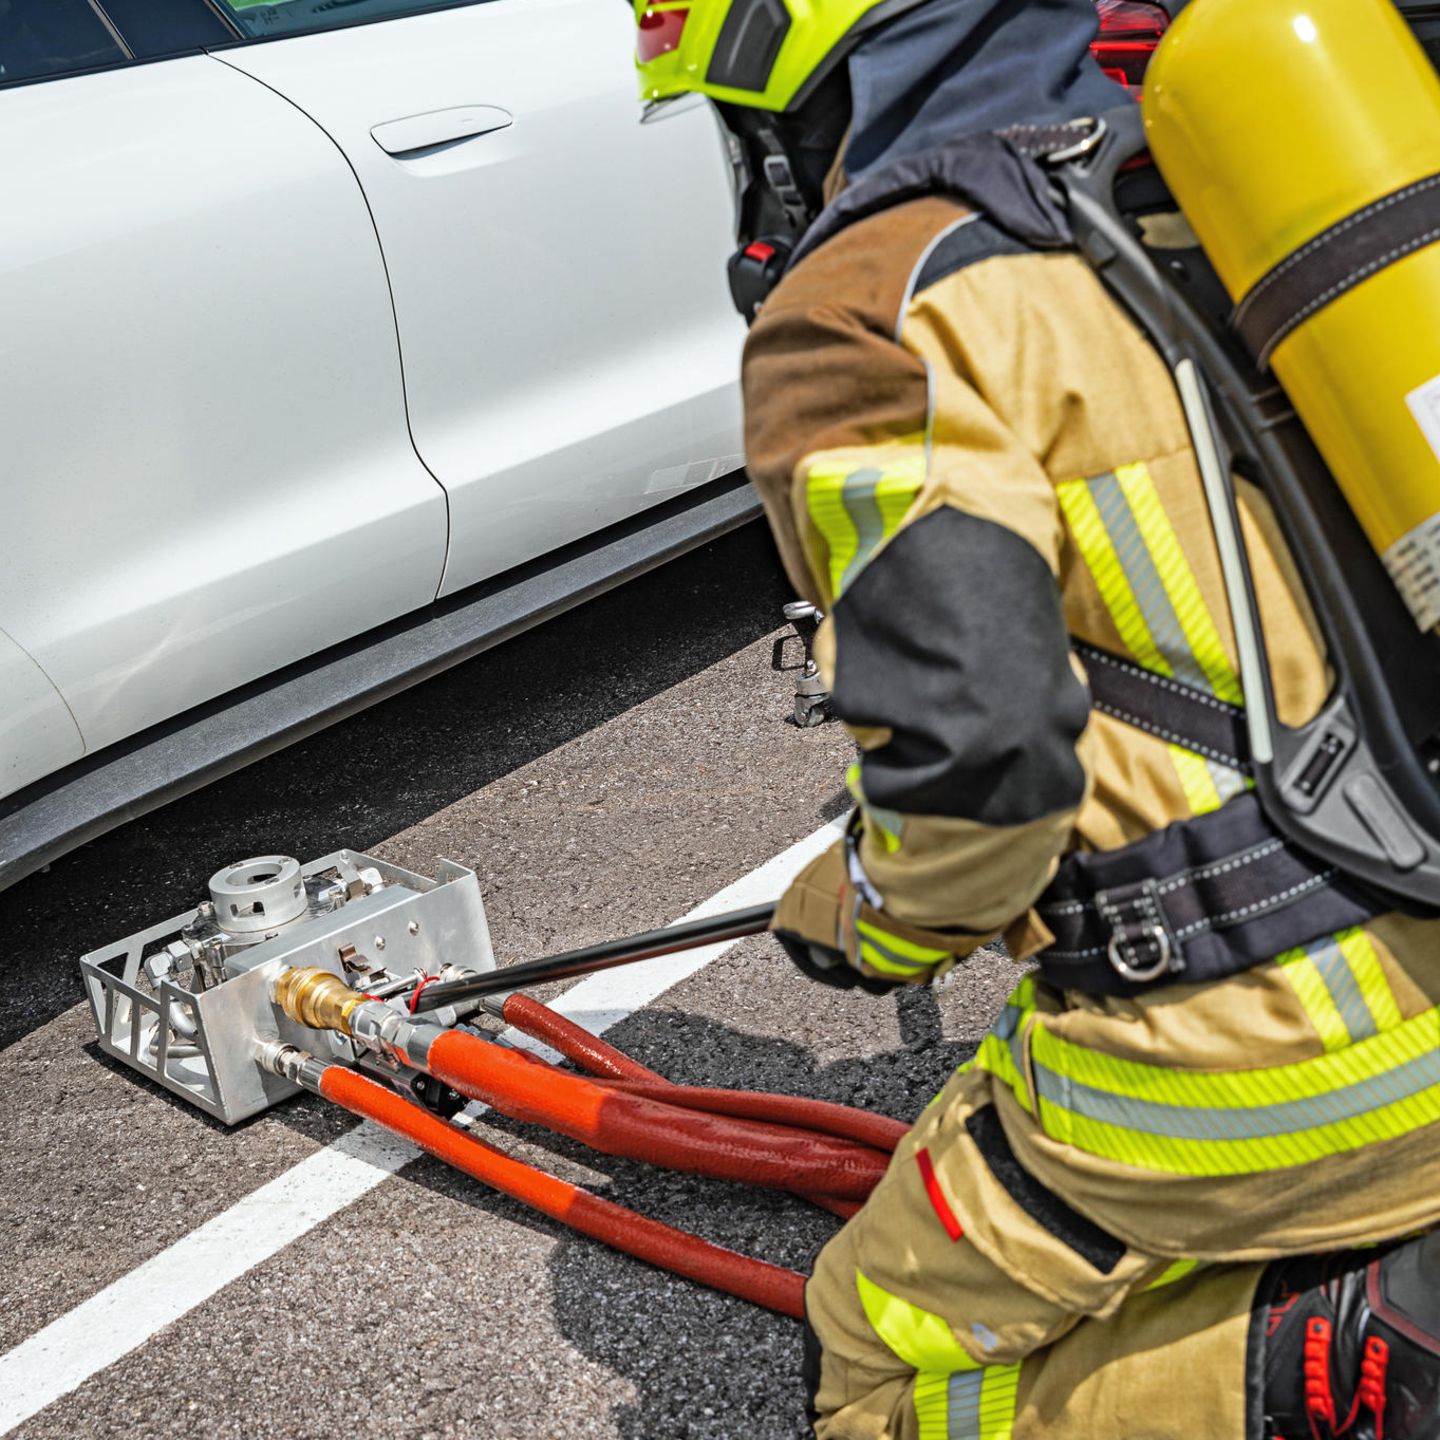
570 351
208 473
37 733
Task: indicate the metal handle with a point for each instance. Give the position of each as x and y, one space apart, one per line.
714 929
419 135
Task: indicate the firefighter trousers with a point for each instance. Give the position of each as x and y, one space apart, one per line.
1036 1324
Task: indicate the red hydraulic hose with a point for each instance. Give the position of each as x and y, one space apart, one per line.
588 1051
879 1132
601 1058
675 1250
750 1151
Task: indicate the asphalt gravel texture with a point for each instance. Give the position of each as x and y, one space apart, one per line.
602 774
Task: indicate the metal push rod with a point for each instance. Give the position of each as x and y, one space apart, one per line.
712 930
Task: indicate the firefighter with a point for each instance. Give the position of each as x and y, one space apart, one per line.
979 469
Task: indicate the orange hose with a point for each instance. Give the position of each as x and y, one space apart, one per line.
601 1058
751 1151
675 1250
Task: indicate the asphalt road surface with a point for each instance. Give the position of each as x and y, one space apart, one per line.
603 774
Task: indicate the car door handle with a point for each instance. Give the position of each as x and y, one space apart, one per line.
418 135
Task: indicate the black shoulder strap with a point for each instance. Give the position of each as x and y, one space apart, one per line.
1176 713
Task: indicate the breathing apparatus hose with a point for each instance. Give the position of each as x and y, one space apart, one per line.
678 1251
755 1152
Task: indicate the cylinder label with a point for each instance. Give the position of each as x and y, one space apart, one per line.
1414 565
1424 403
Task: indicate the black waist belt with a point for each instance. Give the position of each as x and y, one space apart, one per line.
1202 899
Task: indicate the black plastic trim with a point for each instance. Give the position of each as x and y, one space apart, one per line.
127 780
1098 1247
749 44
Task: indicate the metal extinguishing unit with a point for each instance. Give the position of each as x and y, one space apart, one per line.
358 981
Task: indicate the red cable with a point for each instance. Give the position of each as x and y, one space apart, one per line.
419 989
675 1250
754 1152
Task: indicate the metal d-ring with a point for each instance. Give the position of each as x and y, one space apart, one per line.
1149 972
1082 146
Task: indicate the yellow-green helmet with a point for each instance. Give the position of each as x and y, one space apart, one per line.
764 54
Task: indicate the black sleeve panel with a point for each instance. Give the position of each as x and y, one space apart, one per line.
954 640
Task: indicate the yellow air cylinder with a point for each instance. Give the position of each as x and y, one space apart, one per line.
1274 123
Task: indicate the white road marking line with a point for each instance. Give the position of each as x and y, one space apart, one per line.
123 1316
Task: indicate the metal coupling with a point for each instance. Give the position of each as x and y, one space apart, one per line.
291 1063
317 998
406 1041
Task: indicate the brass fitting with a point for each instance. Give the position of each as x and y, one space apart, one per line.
317 998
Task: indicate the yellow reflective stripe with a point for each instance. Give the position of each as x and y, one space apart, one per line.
1227 1122
1178 1271
896 492
884 964
1198 625
1359 951
887 825
920 1338
1314 997
932 1406
995 1056
1100 558
1202 795
824 500
855 508
1317 1077
904 949
1173 1156
999 1394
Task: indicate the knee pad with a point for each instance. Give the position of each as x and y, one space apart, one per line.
1348 1344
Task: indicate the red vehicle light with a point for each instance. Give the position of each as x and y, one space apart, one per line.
1129 32
659 33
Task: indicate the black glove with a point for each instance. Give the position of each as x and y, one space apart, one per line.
830 967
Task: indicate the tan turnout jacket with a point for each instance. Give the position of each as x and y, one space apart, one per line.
967 451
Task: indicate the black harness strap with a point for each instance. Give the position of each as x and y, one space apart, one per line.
1201 900
1204 898
1335 261
1179 714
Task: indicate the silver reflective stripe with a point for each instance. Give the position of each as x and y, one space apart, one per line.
1335 971
858 497
1227 780
963 1412
1007 1023
1145 582
1251 1122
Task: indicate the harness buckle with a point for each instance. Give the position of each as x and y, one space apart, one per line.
1139 974
1141 947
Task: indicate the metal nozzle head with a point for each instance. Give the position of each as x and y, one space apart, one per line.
317 998
291 1063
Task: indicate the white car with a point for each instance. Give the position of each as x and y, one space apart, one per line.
338 339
